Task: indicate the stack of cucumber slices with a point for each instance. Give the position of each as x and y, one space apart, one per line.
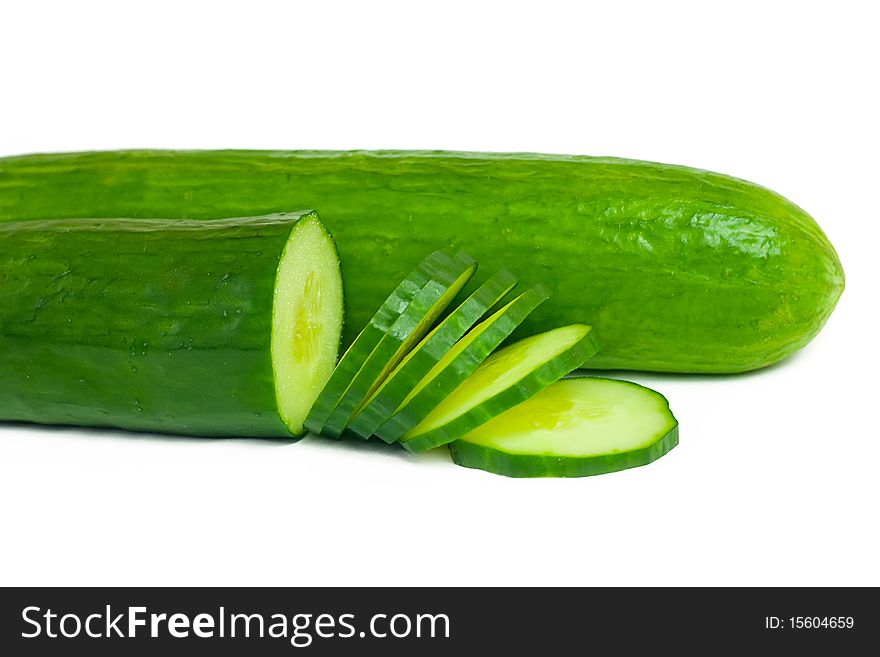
415 379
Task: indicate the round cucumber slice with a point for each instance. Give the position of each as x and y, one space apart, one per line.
355 356
411 326
418 362
507 378
576 427
459 363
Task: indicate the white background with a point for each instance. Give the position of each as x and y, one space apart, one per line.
776 478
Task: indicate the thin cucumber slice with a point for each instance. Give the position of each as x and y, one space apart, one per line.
411 326
507 378
576 427
355 356
418 362
459 363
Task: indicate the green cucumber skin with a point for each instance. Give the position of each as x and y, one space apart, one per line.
377 412
462 367
546 374
161 326
679 269
479 457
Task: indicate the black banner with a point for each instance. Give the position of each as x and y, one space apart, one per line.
431 621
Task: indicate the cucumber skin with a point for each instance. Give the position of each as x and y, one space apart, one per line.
479 457
143 325
678 269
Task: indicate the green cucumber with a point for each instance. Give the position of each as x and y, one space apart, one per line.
380 323
459 363
418 362
412 324
576 427
218 328
678 269
508 377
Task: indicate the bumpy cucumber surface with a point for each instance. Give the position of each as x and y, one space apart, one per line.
417 363
508 377
679 269
459 363
224 327
575 427
413 323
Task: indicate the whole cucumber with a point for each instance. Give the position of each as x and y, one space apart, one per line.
679 269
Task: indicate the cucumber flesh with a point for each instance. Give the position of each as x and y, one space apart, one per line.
357 353
576 427
459 363
418 362
410 327
507 378
306 320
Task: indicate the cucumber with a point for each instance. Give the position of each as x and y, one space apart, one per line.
217 328
380 323
412 324
678 269
576 427
459 363
418 362
507 378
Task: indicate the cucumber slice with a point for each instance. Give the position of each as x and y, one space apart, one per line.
410 327
355 356
459 363
574 428
418 362
507 378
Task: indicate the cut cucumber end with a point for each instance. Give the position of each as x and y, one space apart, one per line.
576 427
306 320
